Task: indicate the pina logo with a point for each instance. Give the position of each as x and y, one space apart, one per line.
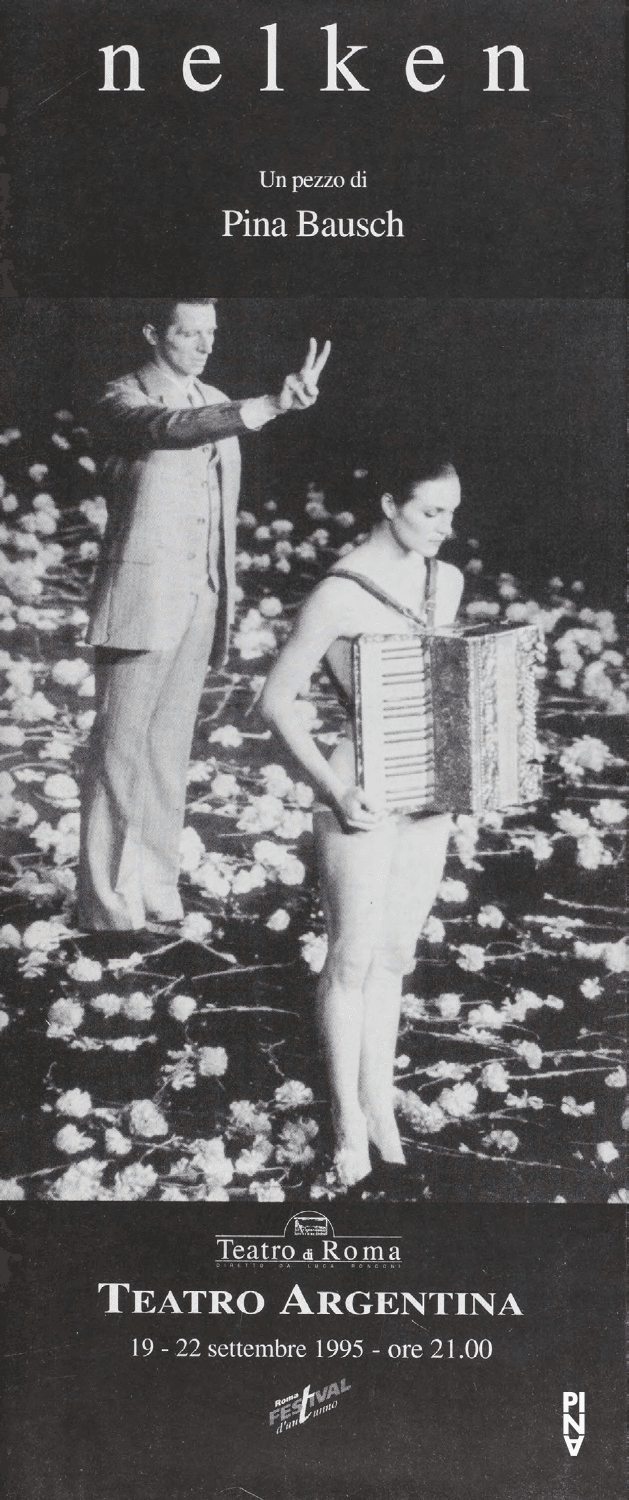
573 1424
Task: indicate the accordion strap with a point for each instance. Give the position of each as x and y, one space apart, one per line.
425 623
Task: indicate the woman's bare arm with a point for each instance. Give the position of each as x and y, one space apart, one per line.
317 626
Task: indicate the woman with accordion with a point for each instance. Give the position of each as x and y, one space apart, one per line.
379 871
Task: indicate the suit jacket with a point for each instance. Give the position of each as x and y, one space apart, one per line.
157 494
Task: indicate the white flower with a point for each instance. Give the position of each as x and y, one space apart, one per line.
227 736
133 1183
314 948
248 1119
95 511
146 1120
72 1141
428 1119
80 1183
495 1077
70 673
181 1007
585 754
44 935
460 1101
617 956
213 881
413 1008
486 1015
262 815
267 1192
12 736
279 920
130 1043
87 464
253 1160
89 551
570 1107
472 958
449 1006
271 607
86 971
541 848
525 1000
10 1190
195 927
591 988
60 442
61 788
117 1144
608 811
433 930
276 780
64 1017
571 823
617 1079
490 916
38 472
213 1062
531 1053
452 890
9 936
191 851
302 794
294 1147
622 1196
293 1095
224 786
606 1152
253 879
443 1069
482 609
210 1159
291 871
75 1102
502 1140
137 1007
108 1005
591 852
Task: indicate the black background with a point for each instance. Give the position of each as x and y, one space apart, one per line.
86 1419
502 194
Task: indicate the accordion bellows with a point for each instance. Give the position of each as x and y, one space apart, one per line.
446 721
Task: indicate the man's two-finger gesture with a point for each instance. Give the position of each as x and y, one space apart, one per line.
301 390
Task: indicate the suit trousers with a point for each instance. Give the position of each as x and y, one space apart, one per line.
134 788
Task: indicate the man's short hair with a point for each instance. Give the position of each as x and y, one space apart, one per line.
160 312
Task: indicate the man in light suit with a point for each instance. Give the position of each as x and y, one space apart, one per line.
163 604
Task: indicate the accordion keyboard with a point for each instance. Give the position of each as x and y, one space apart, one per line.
395 748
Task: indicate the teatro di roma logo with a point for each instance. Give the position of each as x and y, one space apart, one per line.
308 1237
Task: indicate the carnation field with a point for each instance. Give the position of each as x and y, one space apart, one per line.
182 1063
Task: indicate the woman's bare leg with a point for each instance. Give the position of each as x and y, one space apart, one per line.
354 874
415 873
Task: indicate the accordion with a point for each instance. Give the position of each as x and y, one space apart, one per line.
446 721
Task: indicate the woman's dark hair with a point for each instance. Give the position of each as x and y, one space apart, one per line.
403 463
160 312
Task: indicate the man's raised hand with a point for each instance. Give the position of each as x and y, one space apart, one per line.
301 390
